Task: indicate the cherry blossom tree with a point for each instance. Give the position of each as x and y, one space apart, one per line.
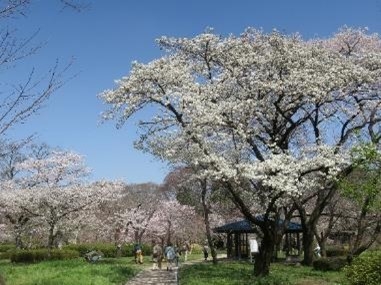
174 222
49 191
12 153
203 195
13 205
54 169
270 116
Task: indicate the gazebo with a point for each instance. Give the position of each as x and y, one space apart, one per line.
239 234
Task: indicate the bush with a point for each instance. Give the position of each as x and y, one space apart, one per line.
108 249
365 269
6 255
336 251
330 263
128 250
7 247
37 255
196 248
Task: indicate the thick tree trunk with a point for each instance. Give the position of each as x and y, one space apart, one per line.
264 257
308 245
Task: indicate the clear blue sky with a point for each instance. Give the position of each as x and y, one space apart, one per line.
105 40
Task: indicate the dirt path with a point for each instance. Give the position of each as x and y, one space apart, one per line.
157 277
160 277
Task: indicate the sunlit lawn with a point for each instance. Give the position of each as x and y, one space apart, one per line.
71 272
118 271
241 273
77 272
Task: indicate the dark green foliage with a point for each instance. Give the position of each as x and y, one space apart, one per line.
128 249
6 247
365 269
108 249
37 255
6 255
330 263
336 251
5 250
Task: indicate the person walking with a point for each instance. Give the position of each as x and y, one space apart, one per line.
138 253
205 250
157 256
170 255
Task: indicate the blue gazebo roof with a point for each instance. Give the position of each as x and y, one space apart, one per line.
245 226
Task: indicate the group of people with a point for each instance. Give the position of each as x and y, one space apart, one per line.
170 253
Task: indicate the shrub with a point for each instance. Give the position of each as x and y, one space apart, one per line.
6 247
37 255
336 251
128 249
6 254
108 249
330 263
365 269
196 248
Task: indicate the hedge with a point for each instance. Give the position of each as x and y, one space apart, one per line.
365 269
330 263
336 251
6 247
37 255
108 249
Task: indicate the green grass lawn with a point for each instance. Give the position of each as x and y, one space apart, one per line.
71 272
241 273
119 271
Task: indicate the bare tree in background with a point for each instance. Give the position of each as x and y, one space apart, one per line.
18 101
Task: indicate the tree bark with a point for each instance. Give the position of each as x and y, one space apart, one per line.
308 245
208 230
265 255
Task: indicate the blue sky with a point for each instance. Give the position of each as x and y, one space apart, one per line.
105 39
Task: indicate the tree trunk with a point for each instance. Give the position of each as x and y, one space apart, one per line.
308 245
18 241
263 258
51 237
208 230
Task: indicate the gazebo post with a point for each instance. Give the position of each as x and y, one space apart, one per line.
229 245
298 242
236 245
